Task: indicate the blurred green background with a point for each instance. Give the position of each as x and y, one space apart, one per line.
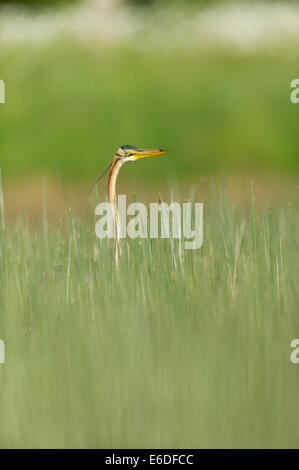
69 108
70 104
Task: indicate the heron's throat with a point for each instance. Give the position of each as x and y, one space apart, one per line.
114 170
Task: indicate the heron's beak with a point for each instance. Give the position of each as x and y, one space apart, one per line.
143 153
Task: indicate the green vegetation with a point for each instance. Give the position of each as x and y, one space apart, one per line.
69 107
173 349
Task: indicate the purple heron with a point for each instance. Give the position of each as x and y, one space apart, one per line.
125 154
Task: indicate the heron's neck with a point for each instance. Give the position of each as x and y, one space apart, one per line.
114 170
116 165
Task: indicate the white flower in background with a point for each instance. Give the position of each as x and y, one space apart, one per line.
246 27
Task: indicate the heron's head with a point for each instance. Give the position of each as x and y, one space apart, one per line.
130 153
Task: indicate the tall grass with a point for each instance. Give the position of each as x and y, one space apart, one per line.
172 349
